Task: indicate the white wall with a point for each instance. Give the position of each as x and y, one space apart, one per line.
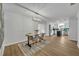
2 49
47 28
0 28
78 29
17 23
1 31
35 25
73 28
0 18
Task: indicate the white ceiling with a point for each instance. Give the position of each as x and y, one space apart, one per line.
53 11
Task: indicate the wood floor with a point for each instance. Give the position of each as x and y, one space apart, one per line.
58 46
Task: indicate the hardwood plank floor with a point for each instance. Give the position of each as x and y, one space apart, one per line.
58 46
12 50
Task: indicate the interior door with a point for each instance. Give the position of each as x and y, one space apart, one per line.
1 27
41 28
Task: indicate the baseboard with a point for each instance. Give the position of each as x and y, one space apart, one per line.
72 38
14 43
3 46
2 50
78 45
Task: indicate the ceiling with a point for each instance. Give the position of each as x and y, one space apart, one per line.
53 11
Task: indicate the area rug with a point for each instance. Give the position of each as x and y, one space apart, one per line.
27 51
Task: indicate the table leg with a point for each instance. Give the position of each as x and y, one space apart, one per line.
28 42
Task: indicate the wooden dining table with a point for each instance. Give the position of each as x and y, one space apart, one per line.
30 37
